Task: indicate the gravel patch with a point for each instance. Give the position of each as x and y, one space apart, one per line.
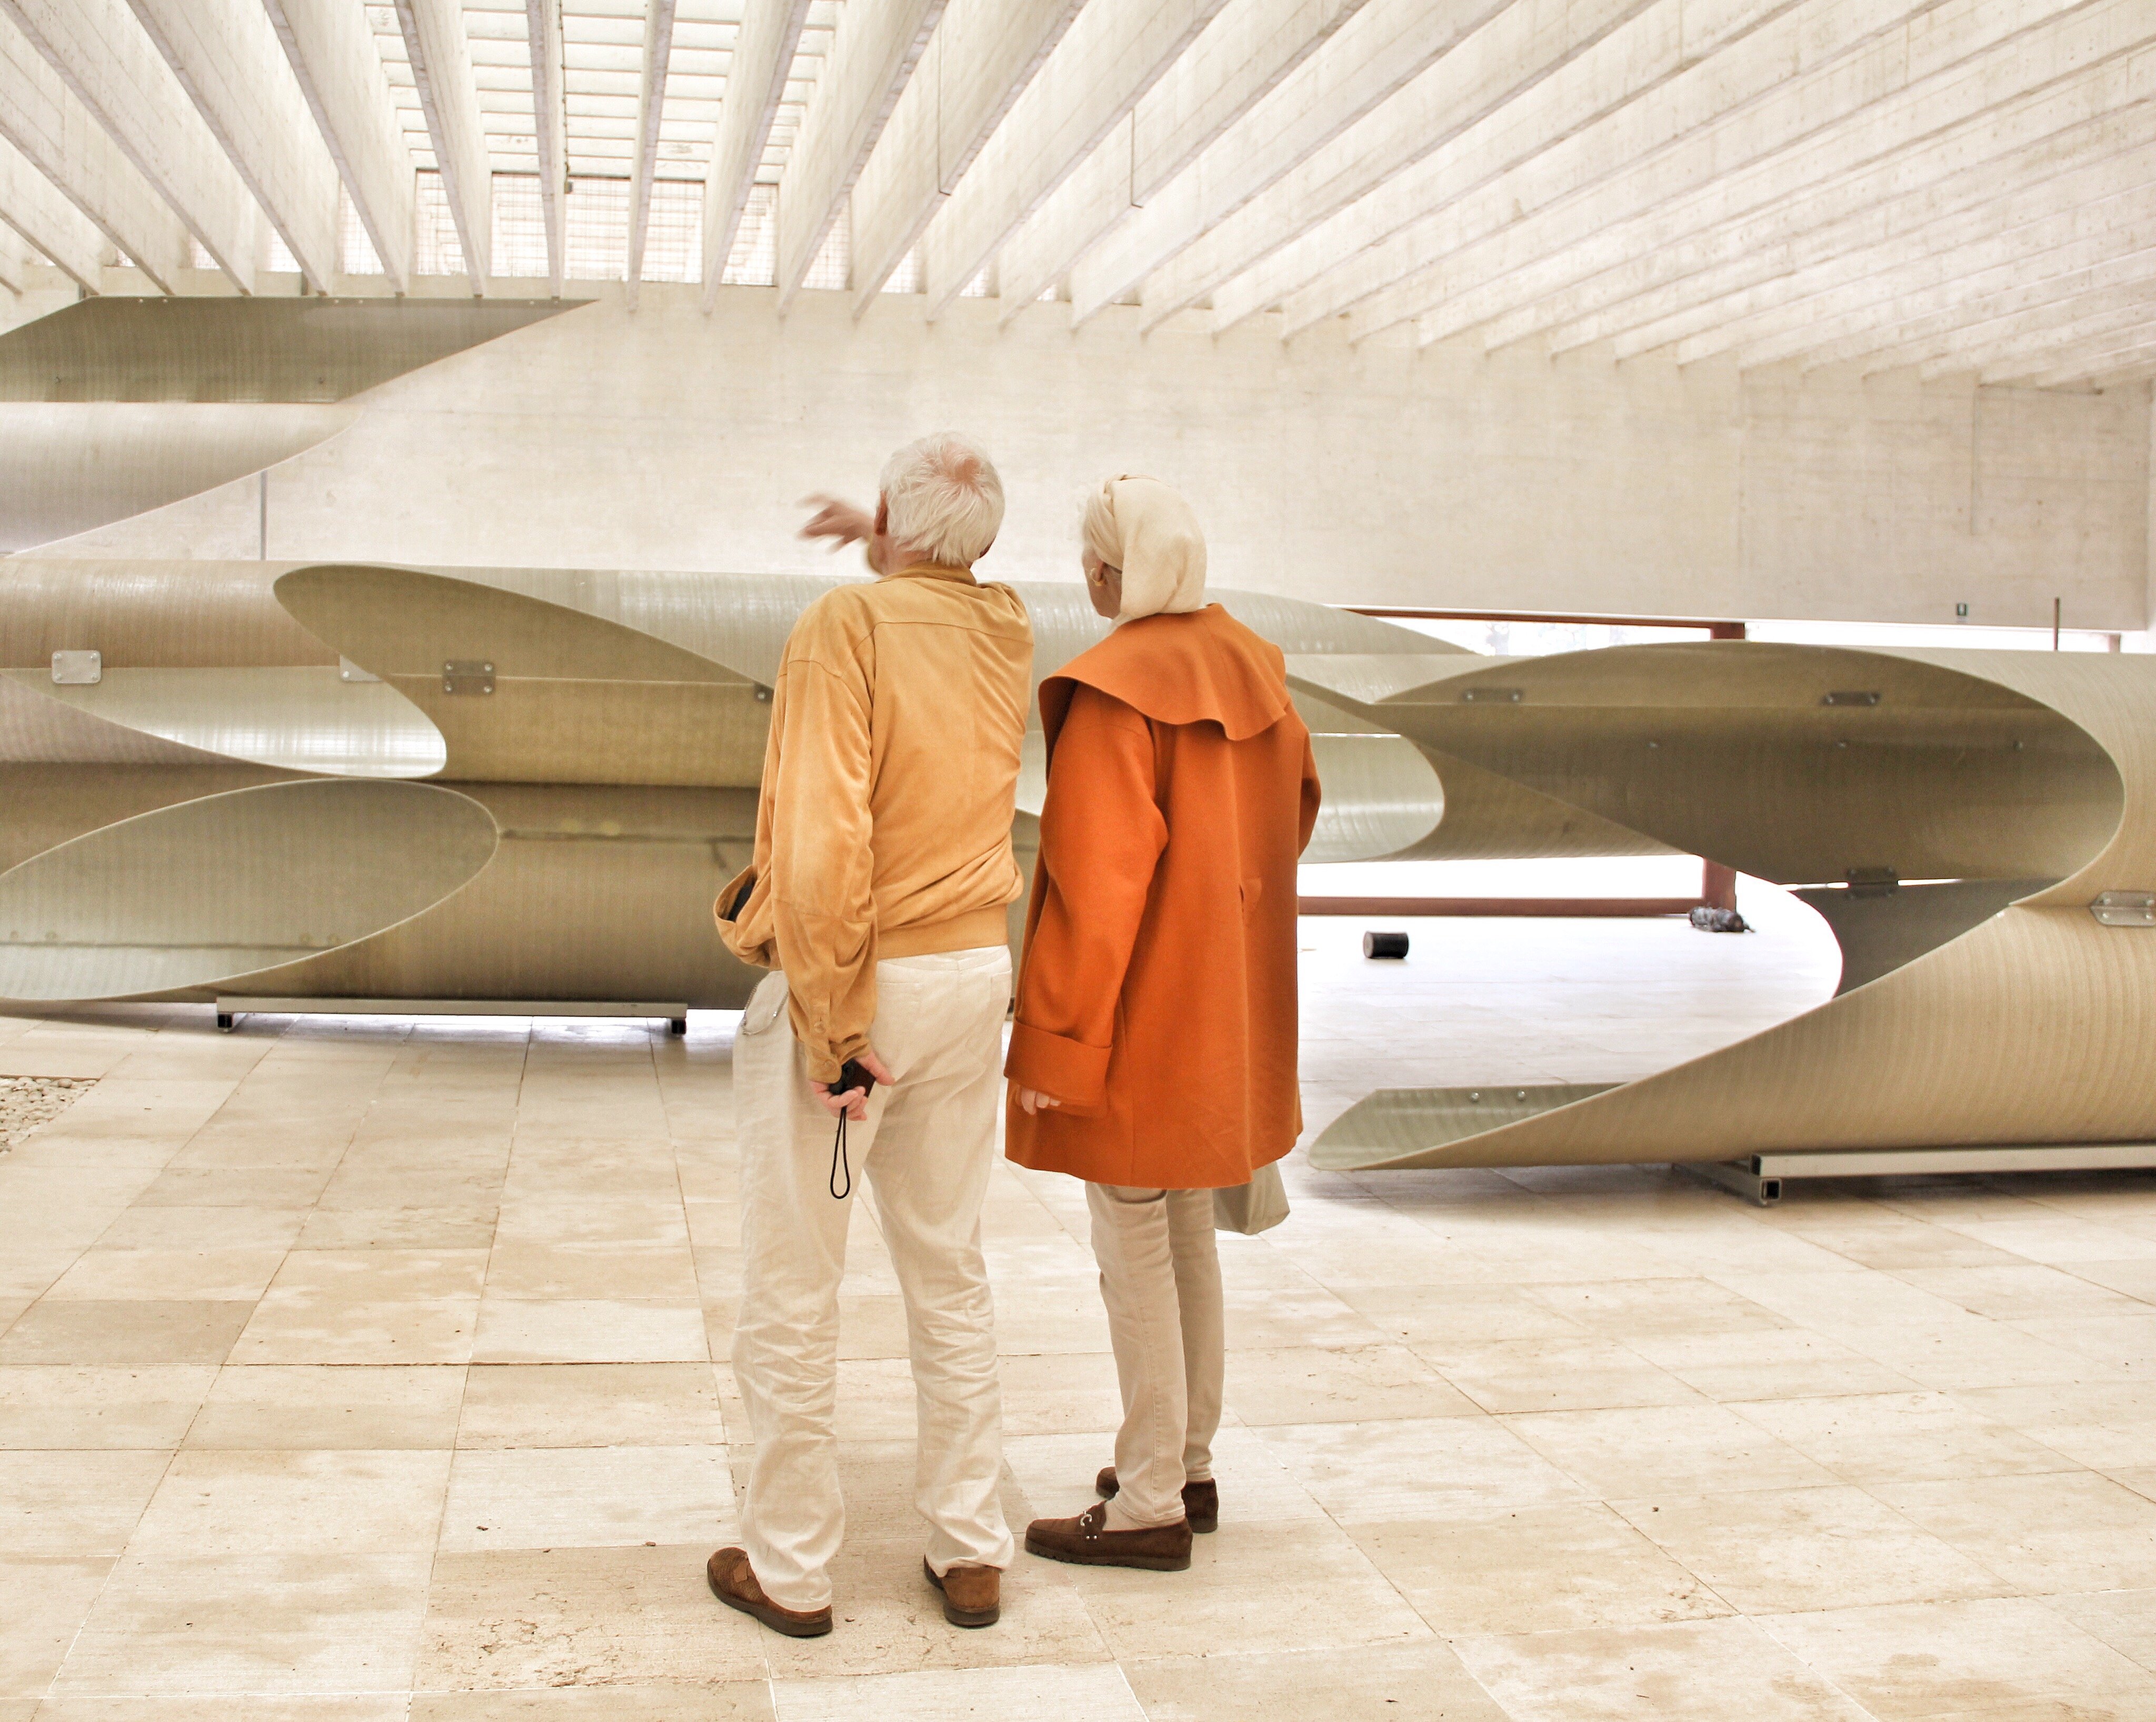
28 1103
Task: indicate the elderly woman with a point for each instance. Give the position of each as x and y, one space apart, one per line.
1154 1054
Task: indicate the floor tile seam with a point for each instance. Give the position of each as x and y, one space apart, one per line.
82 1626
1762 1623
1974 1556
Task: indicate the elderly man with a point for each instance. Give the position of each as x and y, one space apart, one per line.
882 871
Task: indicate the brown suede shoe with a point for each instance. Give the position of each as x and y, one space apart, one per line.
1087 1541
972 1595
1201 1501
733 1582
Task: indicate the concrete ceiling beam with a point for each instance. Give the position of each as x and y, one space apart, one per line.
2068 126
874 51
33 207
15 261
756 72
2092 307
542 30
1888 335
1250 47
1372 242
41 117
1371 57
650 104
2130 348
2049 229
110 67
333 56
228 58
1114 52
984 56
434 33
1809 94
1537 63
1888 94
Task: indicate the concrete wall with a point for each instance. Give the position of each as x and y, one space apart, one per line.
663 438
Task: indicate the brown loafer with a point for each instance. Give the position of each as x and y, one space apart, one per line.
972 1595
1201 1501
733 1582
1087 1541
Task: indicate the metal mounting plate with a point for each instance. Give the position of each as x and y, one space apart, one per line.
2125 908
467 675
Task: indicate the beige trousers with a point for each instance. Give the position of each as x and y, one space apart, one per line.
924 1154
1160 1278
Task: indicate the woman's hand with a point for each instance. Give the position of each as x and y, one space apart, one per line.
1034 1101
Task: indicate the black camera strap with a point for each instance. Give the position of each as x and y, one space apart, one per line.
839 1164
851 1075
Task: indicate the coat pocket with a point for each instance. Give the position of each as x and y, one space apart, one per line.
766 1006
1250 890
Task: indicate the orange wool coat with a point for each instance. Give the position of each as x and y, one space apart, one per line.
1157 998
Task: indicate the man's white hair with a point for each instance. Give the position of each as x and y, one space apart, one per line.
946 500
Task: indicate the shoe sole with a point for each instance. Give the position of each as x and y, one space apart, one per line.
770 1617
1147 1563
957 1616
1203 1526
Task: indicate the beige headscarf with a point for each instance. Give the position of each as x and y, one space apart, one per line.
1139 525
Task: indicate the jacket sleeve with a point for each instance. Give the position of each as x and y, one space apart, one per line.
1101 836
1313 796
821 865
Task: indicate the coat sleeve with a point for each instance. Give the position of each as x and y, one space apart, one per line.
1101 836
822 868
1313 796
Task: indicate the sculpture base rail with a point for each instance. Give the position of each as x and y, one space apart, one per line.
230 1007
1760 1177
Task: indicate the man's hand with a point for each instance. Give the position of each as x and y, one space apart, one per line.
1034 1101
854 1102
839 521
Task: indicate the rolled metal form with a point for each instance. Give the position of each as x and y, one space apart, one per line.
72 466
524 689
117 405
209 889
602 732
619 749
166 349
1985 1004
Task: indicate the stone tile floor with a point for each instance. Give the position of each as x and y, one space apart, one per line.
353 1369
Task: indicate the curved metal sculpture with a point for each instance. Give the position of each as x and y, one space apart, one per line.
590 742
113 406
609 727
1976 828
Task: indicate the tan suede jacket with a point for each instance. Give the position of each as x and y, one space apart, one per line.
885 826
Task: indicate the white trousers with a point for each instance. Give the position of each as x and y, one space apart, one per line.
924 1154
1160 1278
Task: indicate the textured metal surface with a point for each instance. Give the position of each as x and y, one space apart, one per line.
1990 1010
598 892
71 468
569 696
1724 749
620 752
122 348
207 890
139 614
302 720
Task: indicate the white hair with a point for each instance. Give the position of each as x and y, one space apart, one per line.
945 499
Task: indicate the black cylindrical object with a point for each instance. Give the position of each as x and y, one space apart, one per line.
1385 944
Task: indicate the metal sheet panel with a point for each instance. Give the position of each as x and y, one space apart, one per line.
313 350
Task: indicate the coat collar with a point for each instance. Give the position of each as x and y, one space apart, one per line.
1189 668
935 571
